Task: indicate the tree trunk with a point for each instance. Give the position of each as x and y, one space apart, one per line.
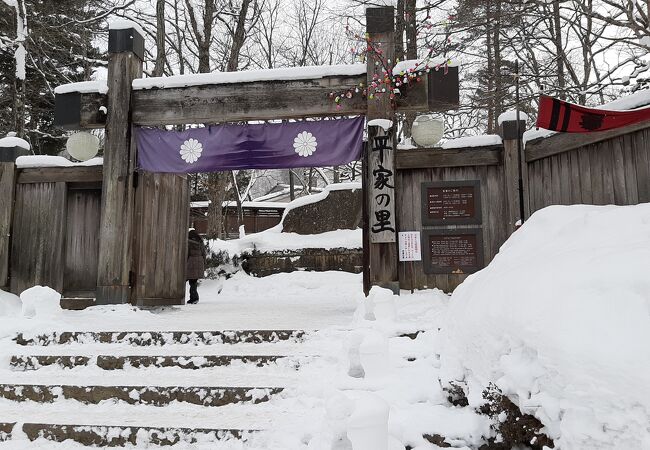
399 31
160 39
498 85
238 38
411 29
490 69
561 83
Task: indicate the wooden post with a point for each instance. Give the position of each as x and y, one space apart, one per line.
7 189
126 52
511 167
380 243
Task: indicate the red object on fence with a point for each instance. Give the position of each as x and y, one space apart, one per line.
558 115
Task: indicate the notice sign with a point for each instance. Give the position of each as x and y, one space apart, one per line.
453 251
451 202
409 246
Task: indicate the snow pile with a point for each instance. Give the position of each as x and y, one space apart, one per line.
24 162
511 116
473 141
13 141
10 304
83 87
41 302
560 322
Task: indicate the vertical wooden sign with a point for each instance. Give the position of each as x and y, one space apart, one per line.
382 182
380 227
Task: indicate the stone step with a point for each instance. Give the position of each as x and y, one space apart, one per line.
138 395
160 338
121 436
110 362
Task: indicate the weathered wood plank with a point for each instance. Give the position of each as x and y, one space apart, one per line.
434 157
596 166
90 174
564 142
642 159
605 149
81 244
38 236
511 183
629 170
7 190
159 266
574 174
618 171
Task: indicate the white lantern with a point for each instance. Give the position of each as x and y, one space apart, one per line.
427 130
82 146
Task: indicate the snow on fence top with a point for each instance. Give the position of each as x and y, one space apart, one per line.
122 24
249 76
420 64
24 162
12 141
473 141
83 87
511 115
246 204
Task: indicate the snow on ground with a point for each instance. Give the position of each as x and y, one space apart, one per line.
560 321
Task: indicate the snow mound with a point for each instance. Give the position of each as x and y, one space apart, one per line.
560 322
41 302
10 304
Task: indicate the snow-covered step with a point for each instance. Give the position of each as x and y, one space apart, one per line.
111 362
119 436
138 395
158 338
244 375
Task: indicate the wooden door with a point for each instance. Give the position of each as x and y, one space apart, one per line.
160 250
82 241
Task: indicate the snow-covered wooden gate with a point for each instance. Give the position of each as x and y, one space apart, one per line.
142 246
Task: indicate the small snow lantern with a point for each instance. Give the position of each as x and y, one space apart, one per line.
427 130
82 146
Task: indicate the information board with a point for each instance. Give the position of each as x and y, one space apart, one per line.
453 251
409 246
451 203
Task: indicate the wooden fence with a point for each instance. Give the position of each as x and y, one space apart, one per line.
602 168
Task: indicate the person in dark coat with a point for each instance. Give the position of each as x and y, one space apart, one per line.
195 263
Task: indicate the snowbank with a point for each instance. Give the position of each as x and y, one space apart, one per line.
10 304
560 321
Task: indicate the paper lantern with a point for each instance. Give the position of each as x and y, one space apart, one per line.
82 146
427 130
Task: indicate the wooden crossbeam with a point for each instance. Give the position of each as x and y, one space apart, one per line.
261 100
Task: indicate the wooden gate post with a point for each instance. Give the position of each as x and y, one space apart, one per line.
126 52
380 228
511 166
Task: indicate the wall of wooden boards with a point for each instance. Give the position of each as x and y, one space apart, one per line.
409 207
37 243
160 252
615 171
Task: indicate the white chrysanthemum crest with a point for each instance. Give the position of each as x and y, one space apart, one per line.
305 144
191 151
